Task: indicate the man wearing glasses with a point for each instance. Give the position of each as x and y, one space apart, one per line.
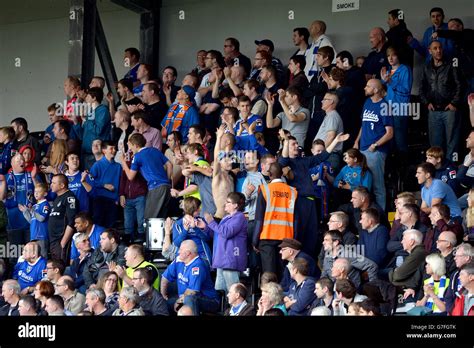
446 243
463 255
290 250
74 301
233 56
151 300
128 303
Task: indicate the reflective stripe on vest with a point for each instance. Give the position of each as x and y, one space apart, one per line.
196 194
442 287
279 212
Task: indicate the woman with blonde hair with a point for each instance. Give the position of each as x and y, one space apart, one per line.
432 294
272 297
57 158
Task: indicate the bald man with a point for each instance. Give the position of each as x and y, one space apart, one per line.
185 311
442 92
17 188
317 30
378 57
446 243
375 135
61 218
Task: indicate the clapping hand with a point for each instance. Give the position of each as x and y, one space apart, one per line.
281 95
120 271
110 97
325 76
470 100
34 171
169 225
269 99
167 89
209 218
200 223
384 73
227 72
221 130
84 174
249 189
429 290
112 265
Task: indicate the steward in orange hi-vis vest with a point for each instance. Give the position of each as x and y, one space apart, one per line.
280 201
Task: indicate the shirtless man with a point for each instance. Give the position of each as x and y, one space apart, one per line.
222 182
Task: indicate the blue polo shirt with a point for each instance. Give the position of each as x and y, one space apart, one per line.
440 189
149 162
373 124
193 276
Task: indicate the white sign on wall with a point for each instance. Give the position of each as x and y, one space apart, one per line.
345 5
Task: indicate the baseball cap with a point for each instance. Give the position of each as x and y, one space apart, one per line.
190 91
265 42
290 243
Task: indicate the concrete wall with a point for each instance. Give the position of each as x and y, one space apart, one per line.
42 47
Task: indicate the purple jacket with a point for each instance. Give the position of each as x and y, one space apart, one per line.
230 242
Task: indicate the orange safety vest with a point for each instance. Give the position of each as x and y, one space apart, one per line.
280 211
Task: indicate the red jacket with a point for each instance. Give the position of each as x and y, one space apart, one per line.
458 309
